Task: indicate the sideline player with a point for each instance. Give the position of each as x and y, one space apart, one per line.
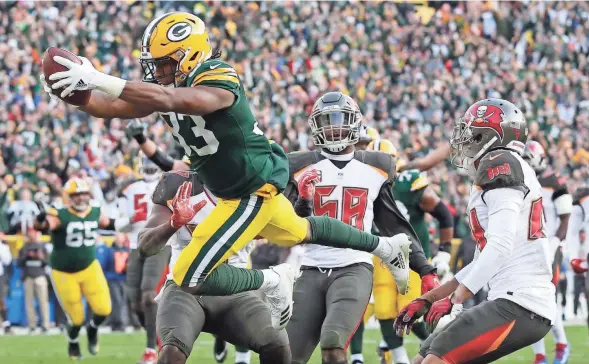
143 274
513 254
180 204
355 186
579 220
75 272
210 117
558 204
414 198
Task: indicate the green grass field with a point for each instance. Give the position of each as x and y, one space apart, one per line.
126 349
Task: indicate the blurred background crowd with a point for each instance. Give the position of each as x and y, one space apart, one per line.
412 68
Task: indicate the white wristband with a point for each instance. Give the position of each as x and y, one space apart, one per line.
111 85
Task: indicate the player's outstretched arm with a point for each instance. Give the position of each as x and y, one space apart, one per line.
102 105
430 202
157 231
431 160
46 219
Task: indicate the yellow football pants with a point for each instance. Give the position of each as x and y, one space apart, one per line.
90 282
231 225
387 300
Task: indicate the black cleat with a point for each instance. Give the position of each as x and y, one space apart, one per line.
73 351
93 347
220 350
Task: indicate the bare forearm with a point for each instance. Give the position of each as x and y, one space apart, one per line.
431 160
102 105
561 232
152 240
442 291
160 98
446 234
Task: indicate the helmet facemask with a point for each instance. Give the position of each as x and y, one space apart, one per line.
335 127
468 146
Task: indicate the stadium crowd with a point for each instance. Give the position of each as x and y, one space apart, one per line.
412 69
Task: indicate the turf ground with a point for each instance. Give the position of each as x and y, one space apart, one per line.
126 349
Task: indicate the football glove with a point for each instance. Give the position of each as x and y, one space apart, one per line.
440 309
409 314
579 265
135 129
429 281
42 216
46 88
307 183
182 211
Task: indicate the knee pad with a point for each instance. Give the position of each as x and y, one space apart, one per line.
170 354
277 352
331 339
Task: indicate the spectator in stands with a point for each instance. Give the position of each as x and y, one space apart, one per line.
5 270
32 259
22 212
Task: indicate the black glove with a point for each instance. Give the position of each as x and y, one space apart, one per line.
135 129
42 216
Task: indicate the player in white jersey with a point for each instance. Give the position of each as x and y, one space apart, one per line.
181 203
579 221
143 274
558 204
513 253
355 186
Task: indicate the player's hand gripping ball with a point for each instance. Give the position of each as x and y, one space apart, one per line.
50 66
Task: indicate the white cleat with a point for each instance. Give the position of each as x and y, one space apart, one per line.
395 256
279 298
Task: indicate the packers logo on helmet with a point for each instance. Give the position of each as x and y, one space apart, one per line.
383 145
174 45
77 194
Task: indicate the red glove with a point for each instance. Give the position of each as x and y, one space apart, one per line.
439 308
182 211
579 265
307 183
409 314
429 281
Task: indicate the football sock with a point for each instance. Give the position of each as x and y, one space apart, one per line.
400 355
356 342
335 233
560 337
242 357
420 330
226 280
357 358
96 320
72 333
539 347
150 312
383 345
387 328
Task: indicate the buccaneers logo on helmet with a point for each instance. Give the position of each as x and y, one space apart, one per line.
486 116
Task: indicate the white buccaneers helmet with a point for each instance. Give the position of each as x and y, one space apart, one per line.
335 122
149 171
535 155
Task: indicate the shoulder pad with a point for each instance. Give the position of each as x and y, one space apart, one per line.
500 169
215 73
299 160
379 160
169 184
580 195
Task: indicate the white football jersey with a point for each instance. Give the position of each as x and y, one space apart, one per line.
525 275
551 185
136 196
579 220
347 194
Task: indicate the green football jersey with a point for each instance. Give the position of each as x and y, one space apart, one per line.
74 241
408 190
226 148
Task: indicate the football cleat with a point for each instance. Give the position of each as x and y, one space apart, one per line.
385 355
279 298
93 347
73 351
149 357
220 350
540 359
395 256
562 354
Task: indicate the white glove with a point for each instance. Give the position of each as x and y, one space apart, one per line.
442 263
84 77
47 88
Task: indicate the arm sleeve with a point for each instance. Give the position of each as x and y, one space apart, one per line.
463 272
572 239
390 221
504 208
303 208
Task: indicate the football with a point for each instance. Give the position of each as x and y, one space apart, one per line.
50 67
